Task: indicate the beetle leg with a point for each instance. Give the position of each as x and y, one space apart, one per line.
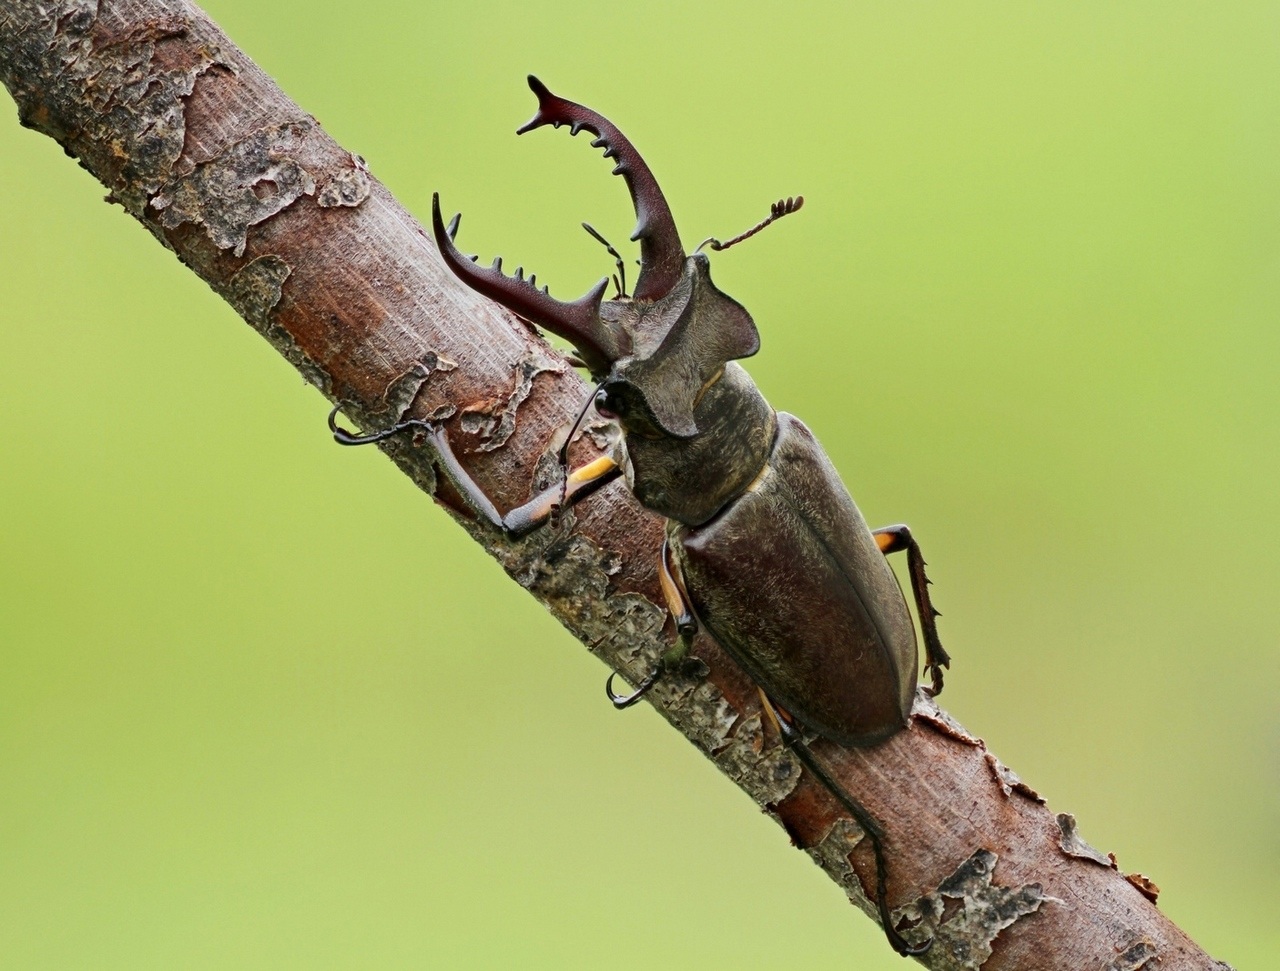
578 484
794 740
894 539
642 689
344 437
676 597
677 656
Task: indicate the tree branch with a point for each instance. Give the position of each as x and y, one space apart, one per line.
199 145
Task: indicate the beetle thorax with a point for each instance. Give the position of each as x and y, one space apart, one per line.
691 479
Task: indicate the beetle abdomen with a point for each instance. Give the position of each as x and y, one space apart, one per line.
790 581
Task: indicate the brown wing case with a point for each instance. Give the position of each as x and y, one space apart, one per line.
782 578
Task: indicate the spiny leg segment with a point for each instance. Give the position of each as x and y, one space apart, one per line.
894 539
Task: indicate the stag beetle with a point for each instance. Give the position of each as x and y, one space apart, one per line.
764 548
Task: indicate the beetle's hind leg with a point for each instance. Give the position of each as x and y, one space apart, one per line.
677 656
794 740
894 539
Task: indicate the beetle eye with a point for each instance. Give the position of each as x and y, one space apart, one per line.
610 404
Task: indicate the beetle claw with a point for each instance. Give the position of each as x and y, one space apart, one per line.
626 701
344 436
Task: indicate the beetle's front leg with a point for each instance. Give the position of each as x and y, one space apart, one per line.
524 519
894 539
676 656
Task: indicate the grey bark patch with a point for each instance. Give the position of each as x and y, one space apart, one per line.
125 100
404 390
768 775
720 728
702 710
1072 844
255 290
250 182
604 433
571 575
1134 957
832 854
349 186
548 471
963 935
494 424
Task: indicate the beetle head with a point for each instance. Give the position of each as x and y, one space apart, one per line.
655 351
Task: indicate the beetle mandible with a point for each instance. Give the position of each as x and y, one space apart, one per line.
764 549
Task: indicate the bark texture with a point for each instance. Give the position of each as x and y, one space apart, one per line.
201 147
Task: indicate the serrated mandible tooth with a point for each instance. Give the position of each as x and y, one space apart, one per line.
642 229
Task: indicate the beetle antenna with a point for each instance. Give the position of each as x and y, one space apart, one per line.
622 270
564 449
783 207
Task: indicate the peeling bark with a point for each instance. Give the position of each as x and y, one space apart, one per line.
1145 885
200 146
968 911
494 422
1073 844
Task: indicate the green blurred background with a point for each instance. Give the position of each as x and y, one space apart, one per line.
263 706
